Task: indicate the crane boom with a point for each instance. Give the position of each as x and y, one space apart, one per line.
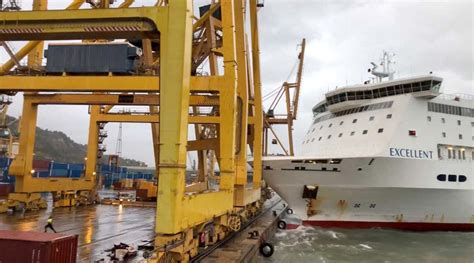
291 92
299 76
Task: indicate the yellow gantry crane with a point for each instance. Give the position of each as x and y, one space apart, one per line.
200 71
291 93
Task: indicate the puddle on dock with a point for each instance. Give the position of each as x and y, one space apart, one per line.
99 227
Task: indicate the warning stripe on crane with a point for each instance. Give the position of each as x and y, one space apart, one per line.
112 28
21 31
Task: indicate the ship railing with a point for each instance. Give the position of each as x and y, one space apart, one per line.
456 96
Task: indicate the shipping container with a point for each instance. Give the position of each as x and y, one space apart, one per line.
37 247
142 194
92 58
5 189
41 165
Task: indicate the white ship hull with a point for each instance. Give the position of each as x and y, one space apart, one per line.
386 193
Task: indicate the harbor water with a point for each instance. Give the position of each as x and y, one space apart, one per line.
312 244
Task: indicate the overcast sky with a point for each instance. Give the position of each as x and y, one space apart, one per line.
342 38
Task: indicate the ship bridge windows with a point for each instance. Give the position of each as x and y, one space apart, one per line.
384 91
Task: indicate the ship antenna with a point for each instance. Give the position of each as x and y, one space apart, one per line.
385 62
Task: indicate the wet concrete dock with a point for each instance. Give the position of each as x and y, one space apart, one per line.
98 227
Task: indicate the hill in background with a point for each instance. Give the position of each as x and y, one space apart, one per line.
57 146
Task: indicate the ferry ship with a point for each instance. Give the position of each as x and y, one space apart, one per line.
390 153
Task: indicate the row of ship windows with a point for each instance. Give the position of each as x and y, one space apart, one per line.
370 107
443 120
371 118
452 178
455 154
460 137
384 91
364 132
450 109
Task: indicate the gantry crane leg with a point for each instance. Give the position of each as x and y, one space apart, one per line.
257 143
175 71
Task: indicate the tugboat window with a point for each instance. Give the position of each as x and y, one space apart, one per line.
441 177
462 178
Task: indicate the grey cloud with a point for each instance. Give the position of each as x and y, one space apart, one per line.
343 37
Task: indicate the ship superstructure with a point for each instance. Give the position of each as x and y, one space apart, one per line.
393 153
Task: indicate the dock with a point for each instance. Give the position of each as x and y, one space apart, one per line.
99 227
